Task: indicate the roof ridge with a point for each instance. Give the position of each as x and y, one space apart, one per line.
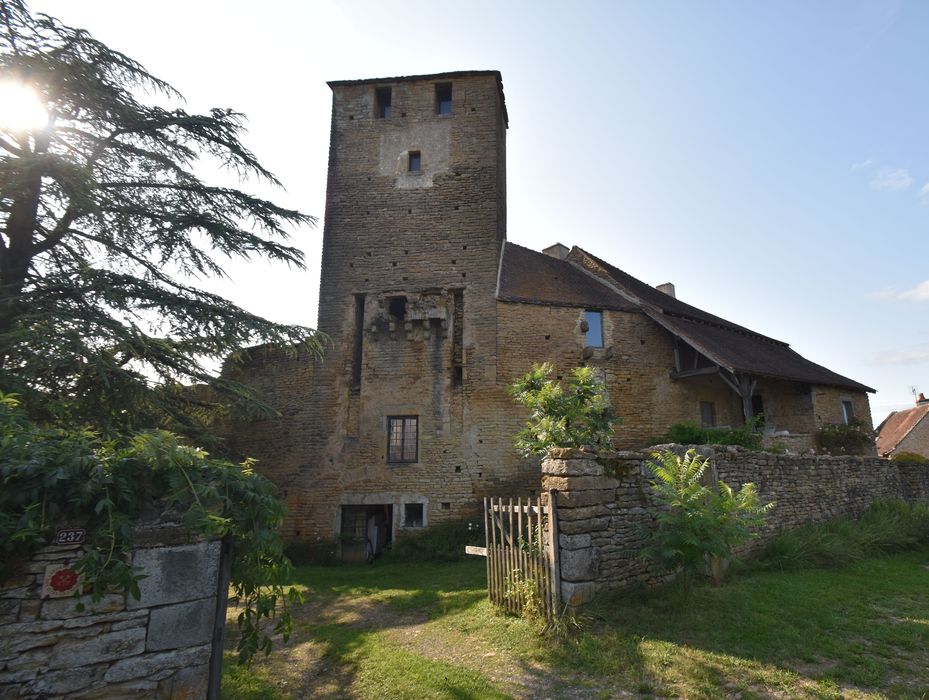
725 323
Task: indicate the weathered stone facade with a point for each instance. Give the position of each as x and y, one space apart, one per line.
160 646
414 296
606 509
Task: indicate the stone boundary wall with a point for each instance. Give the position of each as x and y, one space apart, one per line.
160 646
605 506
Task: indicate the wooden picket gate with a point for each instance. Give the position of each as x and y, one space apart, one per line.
522 563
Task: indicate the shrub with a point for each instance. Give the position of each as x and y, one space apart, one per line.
698 526
576 415
885 527
319 552
852 439
442 542
51 476
909 458
689 433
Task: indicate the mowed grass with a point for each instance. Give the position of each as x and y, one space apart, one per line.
426 630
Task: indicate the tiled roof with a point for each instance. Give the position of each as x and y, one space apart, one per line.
897 426
535 278
585 280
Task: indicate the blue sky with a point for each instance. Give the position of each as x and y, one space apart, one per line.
770 160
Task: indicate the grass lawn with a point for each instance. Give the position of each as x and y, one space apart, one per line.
425 630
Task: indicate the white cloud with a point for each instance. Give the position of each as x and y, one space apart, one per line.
924 191
918 293
862 164
913 356
892 179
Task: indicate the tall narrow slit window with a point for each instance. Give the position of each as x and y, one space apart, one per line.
443 98
594 331
402 439
358 347
382 100
416 161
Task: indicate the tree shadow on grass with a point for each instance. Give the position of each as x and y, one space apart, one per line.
809 633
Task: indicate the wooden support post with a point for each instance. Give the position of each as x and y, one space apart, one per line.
746 389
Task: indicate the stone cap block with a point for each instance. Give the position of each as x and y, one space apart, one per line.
571 467
571 453
579 483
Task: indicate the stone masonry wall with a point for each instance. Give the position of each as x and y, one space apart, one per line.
156 647
605 507
917 440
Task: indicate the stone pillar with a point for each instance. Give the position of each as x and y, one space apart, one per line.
582 498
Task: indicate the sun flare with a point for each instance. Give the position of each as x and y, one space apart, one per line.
20 107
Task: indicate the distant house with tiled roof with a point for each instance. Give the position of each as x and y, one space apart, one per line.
905 431
433 314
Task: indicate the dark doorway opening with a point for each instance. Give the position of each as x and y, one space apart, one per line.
366 531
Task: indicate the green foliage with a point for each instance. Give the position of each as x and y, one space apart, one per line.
441 542
852 439
909 458
698 524
524 592
689 433
52 476
578 414
106 224
885 527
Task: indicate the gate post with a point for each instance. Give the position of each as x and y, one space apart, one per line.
554 559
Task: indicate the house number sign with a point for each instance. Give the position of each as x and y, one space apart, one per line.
70 535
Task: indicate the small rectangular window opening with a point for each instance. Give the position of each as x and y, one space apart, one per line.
594 321
415 161
707 414
396 307
443 98
413 515
848 411
382 98
402 439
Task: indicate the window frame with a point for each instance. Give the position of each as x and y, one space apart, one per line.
848 410
711 405
587 334
414 157
402 459
422 515
383 109
439 102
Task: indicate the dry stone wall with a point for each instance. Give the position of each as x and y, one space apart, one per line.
157 647
606 510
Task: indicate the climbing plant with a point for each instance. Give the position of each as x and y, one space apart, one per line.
51 476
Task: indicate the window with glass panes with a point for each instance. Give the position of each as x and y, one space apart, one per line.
594 328
402 438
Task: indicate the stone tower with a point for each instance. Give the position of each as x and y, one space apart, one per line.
394 429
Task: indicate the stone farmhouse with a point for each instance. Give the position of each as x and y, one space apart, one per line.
905 431
432 314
